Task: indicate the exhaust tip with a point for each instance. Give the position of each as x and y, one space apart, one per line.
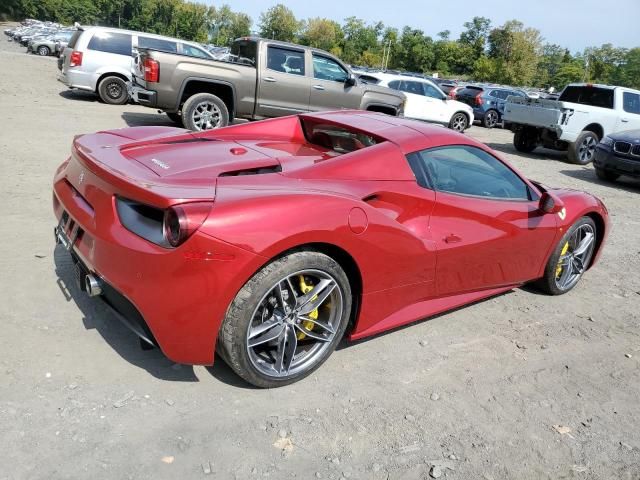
92 285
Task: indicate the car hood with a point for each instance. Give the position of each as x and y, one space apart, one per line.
631 136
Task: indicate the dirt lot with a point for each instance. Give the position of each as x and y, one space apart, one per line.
476 392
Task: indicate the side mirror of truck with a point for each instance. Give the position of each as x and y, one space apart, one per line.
351 80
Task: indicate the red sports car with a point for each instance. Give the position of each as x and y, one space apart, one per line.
267 242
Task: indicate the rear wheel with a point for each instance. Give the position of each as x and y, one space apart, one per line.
287 319
204 111
44 50
491 119
584 149
113 90
459 122
570 259
524 140
606 175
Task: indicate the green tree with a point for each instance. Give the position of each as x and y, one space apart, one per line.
359 38
569 72
226 25
415 51
279 23
627 73
475 34
322 33
516 52
602 62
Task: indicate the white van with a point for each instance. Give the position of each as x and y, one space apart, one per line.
99 59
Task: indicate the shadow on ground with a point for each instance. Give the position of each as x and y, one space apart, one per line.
588 174
147 120
97 316
79 95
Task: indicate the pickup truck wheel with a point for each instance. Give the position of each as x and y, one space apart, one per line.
459 122
175 118
490 119
524 141
44 51
606 175
113 90
584 149
204 111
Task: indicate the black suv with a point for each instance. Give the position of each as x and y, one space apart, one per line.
618 154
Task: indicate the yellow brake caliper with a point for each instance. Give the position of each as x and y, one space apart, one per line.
562 253
306 288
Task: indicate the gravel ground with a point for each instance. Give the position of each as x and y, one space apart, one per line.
516 387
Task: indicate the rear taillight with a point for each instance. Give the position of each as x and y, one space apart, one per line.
181 221
75 60
479 99
151 70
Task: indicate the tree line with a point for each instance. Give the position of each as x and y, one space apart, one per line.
509 54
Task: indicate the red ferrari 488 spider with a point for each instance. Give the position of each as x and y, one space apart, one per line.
267 242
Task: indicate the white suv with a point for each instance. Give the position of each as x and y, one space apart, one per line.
425 101
99 59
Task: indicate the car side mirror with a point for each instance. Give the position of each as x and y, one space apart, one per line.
351 80
549 203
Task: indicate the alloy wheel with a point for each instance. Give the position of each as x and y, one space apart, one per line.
587 149
294 323
492 119
206 115
575 257
459 122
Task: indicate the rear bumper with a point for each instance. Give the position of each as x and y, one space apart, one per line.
608 160
173 298
77 79
140 95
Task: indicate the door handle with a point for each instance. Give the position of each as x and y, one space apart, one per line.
624 120
318 87
269 79
452 238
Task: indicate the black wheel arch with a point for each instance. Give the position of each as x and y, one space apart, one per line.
110 74
220 88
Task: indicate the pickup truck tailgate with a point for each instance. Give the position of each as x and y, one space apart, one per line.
535 112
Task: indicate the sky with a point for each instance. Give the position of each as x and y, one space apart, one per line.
574 24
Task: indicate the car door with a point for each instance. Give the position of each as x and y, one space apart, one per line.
629 118
437 103
283 88
418 105
486 222
329 87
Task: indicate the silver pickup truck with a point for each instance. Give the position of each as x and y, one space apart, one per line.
259 79
582 116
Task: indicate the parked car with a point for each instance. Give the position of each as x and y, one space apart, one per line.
374 222
261 79
425 101
582 116
47 45
618 154
487 102
99 59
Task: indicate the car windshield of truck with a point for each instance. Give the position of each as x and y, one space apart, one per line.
588 95
244 52
336 138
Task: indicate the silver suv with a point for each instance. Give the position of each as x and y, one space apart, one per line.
99 59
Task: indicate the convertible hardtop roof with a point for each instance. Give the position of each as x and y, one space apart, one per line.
409 135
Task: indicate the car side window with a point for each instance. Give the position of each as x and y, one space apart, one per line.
395 84
325 68
192 51
412 87
467 170
631 102
158 44
285 60
431 91
493 93
108 42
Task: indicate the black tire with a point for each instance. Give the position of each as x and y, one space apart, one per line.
491 119
220 113
232 340
524 140
607 175
113 90
175 118
459 122
548 283
583 151
43 51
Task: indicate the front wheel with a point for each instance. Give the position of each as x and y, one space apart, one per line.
204 111
459 122
584 149
113 90
44 50
287 319
571 258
